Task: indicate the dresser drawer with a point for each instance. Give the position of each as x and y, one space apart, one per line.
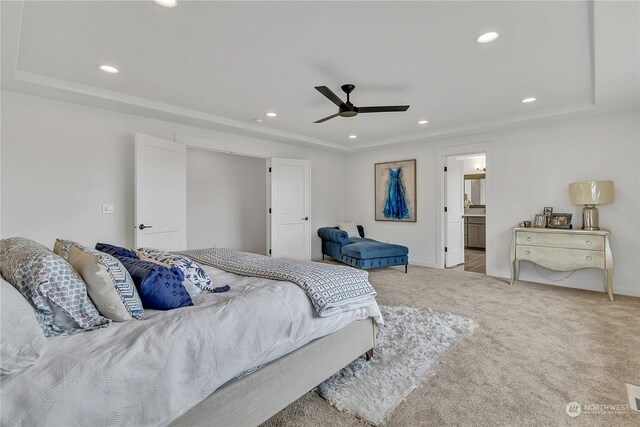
559 240
559 258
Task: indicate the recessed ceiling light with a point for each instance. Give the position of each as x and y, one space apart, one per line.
487 37
423 122
528 100
167 3
109 69
353 136
271 114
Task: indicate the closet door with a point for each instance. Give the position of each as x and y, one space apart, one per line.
290 230
160 193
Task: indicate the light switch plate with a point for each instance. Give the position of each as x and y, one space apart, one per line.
108 208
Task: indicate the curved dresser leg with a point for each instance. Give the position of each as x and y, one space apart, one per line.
608 273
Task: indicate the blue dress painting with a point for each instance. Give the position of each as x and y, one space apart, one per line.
396 205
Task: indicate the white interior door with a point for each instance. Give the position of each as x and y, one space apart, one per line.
454 193
161 193
290 228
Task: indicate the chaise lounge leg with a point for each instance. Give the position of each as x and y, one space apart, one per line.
369 354
323 257
405 268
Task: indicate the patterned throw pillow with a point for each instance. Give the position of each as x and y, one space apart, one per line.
192 272
350 227
116 251
46 279
160 288
109 284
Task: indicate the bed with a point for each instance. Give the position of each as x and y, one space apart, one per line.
234 358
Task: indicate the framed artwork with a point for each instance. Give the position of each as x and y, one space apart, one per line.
540 221
560 220
395 191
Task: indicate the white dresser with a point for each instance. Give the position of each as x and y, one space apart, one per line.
562 250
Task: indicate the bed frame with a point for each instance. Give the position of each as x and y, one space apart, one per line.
255 398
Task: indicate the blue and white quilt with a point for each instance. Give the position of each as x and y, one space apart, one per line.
331 288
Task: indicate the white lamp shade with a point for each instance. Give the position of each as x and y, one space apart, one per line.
591 192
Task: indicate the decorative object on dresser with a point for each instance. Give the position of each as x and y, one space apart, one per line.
540 221
548 210
590 194
395 191
560 220
562 250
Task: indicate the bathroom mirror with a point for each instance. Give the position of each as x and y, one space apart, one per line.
474 186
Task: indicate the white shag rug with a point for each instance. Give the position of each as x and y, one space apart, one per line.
408 348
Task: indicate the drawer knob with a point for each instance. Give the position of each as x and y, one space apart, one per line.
527 253
589 258
528 239
588 242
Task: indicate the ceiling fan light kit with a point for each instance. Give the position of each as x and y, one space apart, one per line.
347 109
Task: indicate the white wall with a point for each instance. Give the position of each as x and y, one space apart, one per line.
530 168
226 201
61 161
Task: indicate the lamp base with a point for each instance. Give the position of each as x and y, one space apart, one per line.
590 218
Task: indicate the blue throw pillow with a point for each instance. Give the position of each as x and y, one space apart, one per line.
160 288
116 251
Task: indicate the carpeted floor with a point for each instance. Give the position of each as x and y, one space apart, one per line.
536 348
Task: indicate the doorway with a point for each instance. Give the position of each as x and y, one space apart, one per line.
465 202
475 212
226 201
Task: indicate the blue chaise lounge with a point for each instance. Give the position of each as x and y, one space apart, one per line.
361 252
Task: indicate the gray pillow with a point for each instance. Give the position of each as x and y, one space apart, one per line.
22 342
47 280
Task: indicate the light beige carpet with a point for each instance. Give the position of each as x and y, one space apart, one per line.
536 348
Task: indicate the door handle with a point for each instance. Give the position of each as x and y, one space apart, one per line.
306 218
142 226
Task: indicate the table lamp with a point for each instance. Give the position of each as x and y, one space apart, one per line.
590 194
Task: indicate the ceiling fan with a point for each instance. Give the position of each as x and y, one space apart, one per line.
347 109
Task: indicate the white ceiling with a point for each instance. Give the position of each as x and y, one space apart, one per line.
220 65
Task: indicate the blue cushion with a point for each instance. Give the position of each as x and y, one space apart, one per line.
333 234
116 251
160 288
367 248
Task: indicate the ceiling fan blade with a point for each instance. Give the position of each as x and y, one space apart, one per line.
327 118
383 109
332 96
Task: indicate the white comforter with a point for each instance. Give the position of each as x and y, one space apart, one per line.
152 371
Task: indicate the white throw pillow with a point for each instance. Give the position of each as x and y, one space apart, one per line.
350 227
22 342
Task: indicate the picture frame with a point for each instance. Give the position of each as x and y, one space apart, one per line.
560 220
395 191
548 210
540 221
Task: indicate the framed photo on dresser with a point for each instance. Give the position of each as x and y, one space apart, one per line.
560 220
